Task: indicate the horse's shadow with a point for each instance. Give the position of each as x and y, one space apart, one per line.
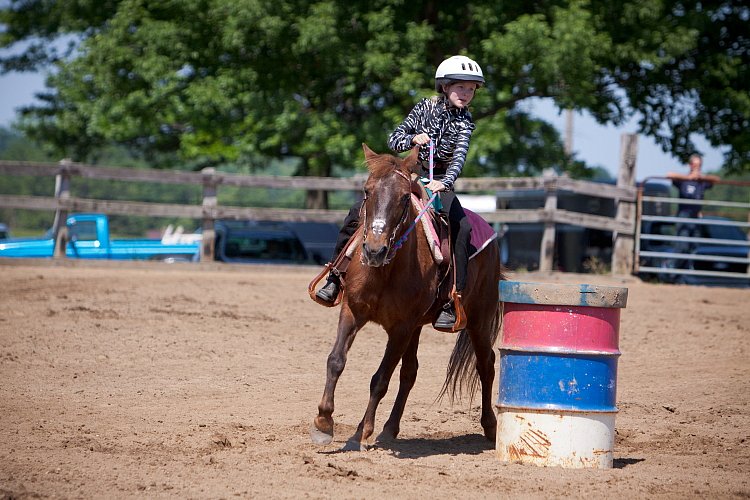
410 448
469 444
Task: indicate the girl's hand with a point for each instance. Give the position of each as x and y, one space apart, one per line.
421 139
435 186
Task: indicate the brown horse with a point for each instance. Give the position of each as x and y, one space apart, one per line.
398 290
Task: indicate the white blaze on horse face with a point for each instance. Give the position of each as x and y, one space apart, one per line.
378 226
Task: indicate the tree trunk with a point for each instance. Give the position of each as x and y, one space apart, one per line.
320 166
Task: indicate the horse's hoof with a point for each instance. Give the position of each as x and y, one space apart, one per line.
387 436
319 437
354 445
491 434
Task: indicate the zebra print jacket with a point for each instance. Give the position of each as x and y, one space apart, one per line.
450 129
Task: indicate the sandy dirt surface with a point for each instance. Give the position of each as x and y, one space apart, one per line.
160 381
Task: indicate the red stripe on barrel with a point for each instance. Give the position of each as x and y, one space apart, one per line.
561 328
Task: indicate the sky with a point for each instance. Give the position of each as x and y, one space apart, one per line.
597 145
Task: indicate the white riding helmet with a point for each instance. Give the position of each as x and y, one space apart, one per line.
457 68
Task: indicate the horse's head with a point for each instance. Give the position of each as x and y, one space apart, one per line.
387 201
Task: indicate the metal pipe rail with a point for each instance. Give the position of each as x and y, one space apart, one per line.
690 256
693 272
692 239
681 201
686 220
674 257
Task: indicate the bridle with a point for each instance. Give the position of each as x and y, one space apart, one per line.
404 214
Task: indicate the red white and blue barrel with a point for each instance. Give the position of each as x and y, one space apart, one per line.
558 373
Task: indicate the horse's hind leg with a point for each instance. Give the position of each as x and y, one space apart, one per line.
394 350
408 375
322 431
482 338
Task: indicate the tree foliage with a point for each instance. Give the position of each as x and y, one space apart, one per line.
211 81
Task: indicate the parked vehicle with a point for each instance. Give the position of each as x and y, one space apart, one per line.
266 242
259 242
716 247
318 238
89 238
574 245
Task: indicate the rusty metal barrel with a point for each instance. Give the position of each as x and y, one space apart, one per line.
558 374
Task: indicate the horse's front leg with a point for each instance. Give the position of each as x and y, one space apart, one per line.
408 375
394 350
322 431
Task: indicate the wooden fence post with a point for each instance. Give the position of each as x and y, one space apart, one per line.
623 244
59 226
209 206
547 250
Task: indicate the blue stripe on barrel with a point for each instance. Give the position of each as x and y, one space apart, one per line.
557 381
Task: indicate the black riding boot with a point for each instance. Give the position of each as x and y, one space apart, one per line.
447 317
330 290
461 232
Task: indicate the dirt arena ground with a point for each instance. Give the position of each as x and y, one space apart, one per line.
160 381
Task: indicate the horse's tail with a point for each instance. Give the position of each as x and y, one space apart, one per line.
462 377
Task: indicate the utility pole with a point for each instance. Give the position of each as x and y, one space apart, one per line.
568 145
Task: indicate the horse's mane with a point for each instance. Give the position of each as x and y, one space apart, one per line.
381 165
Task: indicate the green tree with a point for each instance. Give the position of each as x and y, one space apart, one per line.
685 69
211 81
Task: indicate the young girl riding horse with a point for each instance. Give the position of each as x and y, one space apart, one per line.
446 121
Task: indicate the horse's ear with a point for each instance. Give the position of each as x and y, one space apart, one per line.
412 160
369 153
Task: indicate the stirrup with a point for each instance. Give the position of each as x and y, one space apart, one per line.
446 320
338 266
330 291
322 297
458 310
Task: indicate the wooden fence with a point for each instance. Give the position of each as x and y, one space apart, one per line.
63 201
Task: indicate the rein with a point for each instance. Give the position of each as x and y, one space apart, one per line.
403 238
